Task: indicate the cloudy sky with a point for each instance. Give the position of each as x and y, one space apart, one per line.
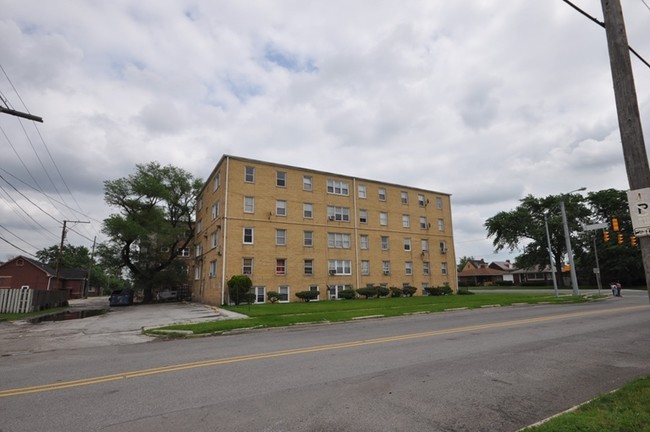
486 100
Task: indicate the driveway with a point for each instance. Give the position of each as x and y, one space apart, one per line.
118 326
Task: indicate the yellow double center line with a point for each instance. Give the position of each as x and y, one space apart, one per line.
283 353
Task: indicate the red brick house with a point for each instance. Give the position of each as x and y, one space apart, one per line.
23 272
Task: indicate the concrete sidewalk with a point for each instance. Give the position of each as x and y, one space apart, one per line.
118 326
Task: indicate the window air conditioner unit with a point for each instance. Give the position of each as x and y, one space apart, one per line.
331 218
386 272
332 272
443 250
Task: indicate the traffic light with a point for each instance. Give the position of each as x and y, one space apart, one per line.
633 240
619 239
615 224
605 236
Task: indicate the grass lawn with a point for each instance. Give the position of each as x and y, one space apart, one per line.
20 316
285 314
625 410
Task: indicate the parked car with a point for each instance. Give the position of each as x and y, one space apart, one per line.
121 297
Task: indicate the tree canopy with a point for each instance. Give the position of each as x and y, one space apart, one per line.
523 229
155 222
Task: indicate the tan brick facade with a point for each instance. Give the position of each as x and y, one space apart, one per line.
294 229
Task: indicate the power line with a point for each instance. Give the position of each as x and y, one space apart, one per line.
602 24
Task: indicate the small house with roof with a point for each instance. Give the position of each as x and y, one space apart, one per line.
27 273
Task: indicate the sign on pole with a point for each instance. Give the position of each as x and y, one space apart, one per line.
639 203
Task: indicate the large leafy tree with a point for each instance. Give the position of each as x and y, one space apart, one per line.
155 220
523 229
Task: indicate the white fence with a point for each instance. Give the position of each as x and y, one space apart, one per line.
16 300
26 300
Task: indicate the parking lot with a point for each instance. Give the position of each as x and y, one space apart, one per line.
117 326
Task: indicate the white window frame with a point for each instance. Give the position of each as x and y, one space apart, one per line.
439 203
308 210
407 244
216 182
307 183
249 174
362 191
212 271
259 292
340 214
364 242
441 224
365 267
363 216
214 240
385 268
284 292
426 268
281 179
315 288
280 208
408 268
251 235
422 201
423 223
338 187
443 268
404 197
424 244
278 271
338 240
340 267
385 243
247 266
383 218
308 267
249 204
308 239
381 192
280 237
406 221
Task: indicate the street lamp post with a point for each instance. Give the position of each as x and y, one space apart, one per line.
572 269
550 254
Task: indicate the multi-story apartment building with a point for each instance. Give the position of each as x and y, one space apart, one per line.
295 229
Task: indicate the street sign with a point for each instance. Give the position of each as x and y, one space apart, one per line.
639 202
594 227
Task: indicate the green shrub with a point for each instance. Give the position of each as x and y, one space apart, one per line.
239 287
307 295
348 294
273 296
439 291
409 291
396 292
368 292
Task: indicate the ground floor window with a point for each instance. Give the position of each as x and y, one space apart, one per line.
315 288
284 293
259 293
334 291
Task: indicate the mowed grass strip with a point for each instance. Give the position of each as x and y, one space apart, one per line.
625 410
286 314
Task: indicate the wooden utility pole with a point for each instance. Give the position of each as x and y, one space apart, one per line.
629 122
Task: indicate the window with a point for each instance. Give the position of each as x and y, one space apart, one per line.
441 224
215 210
340 267
363 216
308 211
281 208
247 266
216 182
198 250
199 226
283 290
443 246
443 268
184 252
249 174
308 267
281 237
259 293
249 204
197 272
338 213
422 202
404 197
365 267
213 269
314 288
384 242
426 268
407 244
383 218
408 268
363 241
307 183
338 240
423 222
406 221
382 194
308 238
363 192
385 267
281 179
214 240
439 203
337 187
281 266
248 235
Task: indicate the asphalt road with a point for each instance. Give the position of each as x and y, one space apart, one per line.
494 369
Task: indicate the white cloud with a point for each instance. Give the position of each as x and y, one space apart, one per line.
483 100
